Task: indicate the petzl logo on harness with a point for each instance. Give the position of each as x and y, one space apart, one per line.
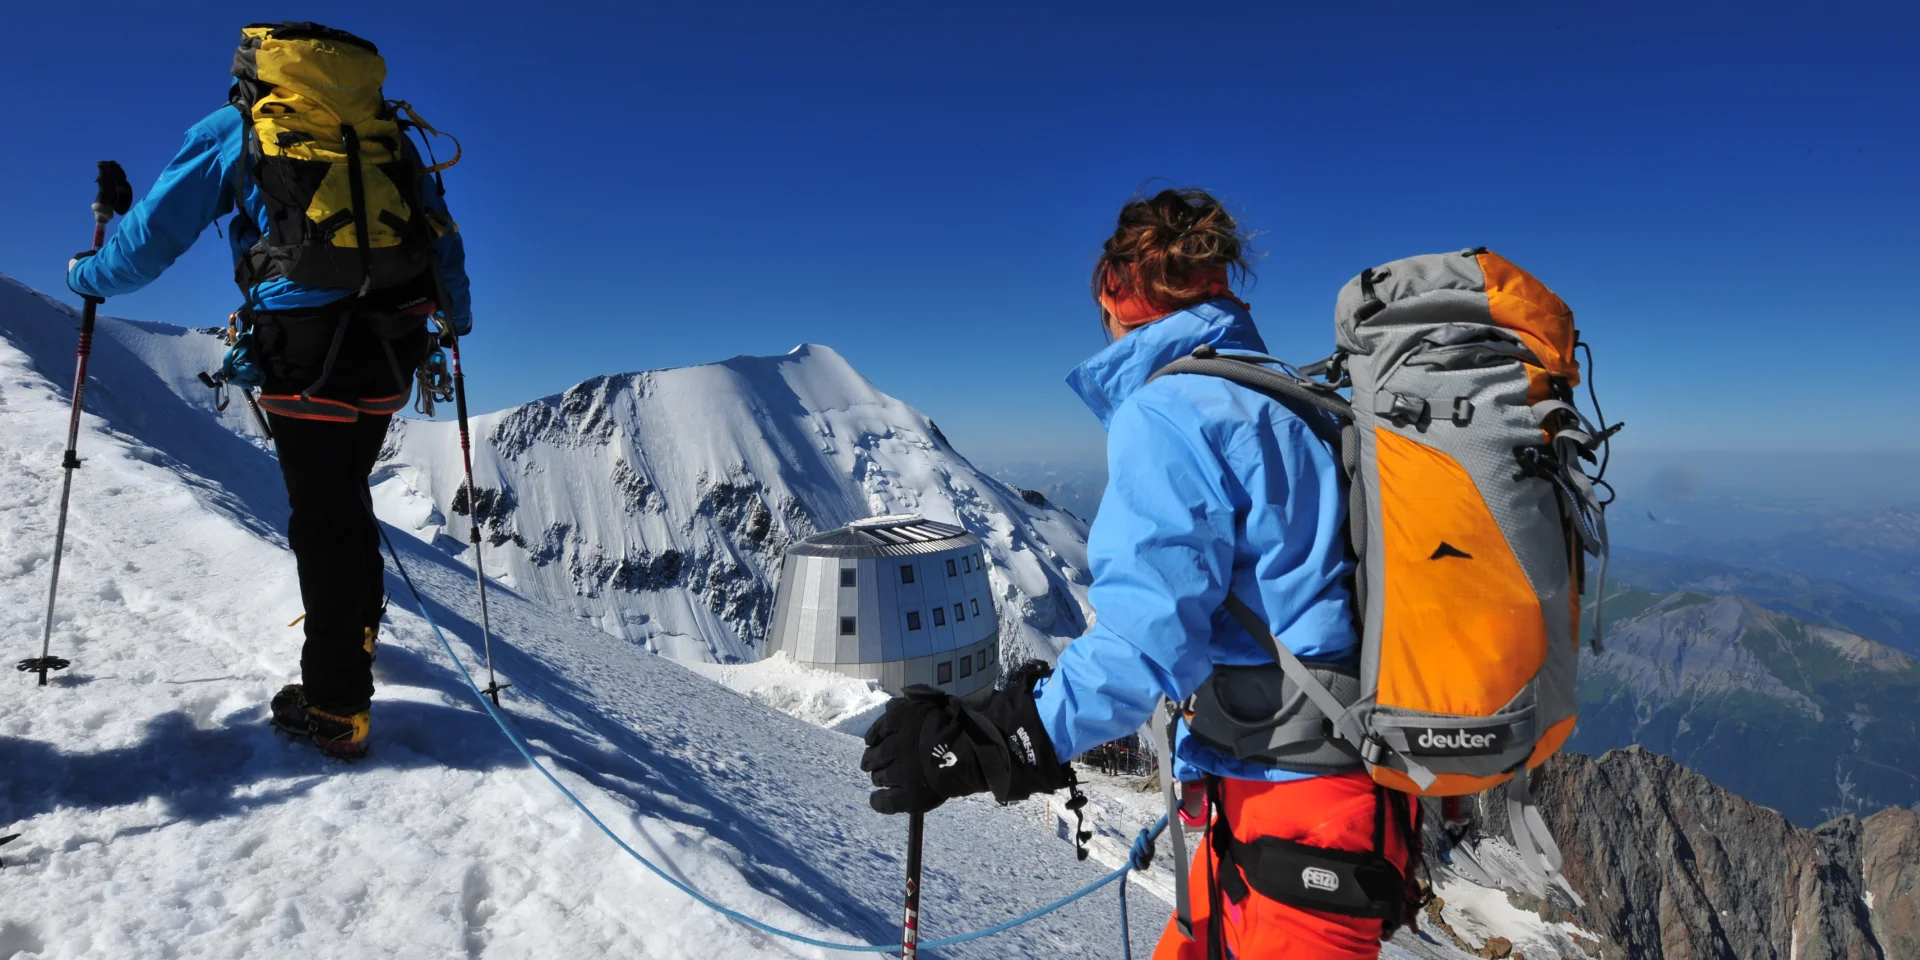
1320 878
1459 743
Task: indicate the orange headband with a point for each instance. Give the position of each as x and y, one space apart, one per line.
1130 308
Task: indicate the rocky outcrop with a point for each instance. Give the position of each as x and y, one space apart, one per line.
1674 867
1890 867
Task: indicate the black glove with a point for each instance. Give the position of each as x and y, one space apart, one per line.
82 255
930 746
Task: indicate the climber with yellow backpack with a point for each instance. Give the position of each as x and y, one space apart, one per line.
1350 604
343 251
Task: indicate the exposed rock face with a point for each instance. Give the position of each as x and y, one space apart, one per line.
1890 865
1676 868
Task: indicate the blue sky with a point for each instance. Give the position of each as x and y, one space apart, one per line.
1726 196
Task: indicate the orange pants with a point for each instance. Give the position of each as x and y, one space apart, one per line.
1335 812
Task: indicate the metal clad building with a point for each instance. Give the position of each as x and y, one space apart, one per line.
898 599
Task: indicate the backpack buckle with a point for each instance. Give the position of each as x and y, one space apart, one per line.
1373 750
1400 410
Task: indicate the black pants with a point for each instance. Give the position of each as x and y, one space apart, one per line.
329 443
337 548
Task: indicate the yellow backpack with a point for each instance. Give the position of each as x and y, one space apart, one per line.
327 156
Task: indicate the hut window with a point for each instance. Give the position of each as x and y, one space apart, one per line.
969 562
959 614
966 666
945 672
982 657
976 607
913 620
846 627
846 577
906 573
939 617
951 570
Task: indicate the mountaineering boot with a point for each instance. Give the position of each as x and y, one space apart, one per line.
336 733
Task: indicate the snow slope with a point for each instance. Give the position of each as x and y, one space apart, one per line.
161 817
657 505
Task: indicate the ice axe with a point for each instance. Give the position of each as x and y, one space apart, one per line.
115 195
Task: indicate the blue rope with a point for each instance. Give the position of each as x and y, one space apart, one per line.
1139 858
703 899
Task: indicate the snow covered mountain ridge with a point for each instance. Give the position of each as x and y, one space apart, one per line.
159 815
658 504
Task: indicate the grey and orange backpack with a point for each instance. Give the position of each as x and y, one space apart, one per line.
1472 517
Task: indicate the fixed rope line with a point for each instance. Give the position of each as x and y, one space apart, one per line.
1143 842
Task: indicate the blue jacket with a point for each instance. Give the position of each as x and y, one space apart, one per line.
195 190
1210 486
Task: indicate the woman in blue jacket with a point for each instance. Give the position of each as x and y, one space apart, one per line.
1213 488
333 363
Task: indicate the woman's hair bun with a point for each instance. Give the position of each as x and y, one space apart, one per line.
1169 247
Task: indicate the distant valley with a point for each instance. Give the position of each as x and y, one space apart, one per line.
1807 718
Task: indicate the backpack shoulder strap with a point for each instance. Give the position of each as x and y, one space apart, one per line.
241 165
1250 370
1306 398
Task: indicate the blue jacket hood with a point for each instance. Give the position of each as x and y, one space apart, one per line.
1109 377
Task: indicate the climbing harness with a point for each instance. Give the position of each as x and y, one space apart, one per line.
1140 857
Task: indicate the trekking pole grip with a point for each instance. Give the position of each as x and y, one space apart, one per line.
113 195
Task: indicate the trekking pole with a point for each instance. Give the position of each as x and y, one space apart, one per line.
910 934
473 517
115 195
